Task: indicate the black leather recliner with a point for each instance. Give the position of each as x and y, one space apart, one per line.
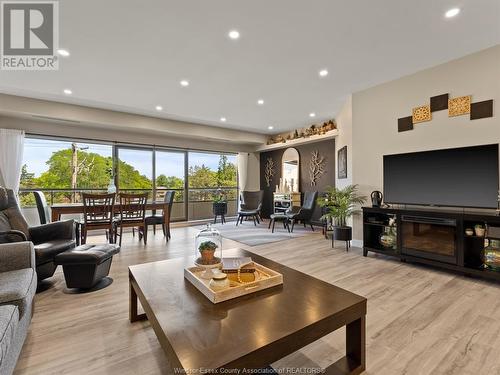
48 239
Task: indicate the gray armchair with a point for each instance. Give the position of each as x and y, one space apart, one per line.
251 204
49 239
17 289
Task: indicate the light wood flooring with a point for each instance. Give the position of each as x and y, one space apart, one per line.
420 320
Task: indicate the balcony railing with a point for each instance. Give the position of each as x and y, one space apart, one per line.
197 207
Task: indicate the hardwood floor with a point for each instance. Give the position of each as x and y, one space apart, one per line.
420 320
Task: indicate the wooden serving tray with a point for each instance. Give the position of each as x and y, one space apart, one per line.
266 278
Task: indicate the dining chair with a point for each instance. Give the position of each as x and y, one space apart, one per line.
132 215
98 213
162 219
42 207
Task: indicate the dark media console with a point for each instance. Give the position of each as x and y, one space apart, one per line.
430 236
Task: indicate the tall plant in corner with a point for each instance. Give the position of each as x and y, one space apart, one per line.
341 203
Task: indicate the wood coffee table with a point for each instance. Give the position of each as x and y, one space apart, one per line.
252 331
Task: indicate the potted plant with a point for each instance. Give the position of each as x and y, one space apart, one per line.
219 205
207 251
340 204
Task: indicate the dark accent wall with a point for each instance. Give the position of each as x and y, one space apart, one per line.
326 149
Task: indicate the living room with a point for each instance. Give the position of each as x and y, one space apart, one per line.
249 187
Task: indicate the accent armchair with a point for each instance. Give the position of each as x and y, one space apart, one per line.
304 213
251 204
48 239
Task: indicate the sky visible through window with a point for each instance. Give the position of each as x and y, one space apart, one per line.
210 161
38 151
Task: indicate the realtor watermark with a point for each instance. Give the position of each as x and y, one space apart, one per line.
30 35
250 371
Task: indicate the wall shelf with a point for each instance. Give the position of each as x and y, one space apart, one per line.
299 141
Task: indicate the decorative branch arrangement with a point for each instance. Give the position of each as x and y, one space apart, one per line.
269 171
316 167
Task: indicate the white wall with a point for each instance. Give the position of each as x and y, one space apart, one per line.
52 128
94 120
375 112
344 124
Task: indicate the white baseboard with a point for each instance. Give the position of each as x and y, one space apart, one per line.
357 243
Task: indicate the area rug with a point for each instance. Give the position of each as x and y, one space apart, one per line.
251 235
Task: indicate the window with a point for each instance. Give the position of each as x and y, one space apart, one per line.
135 170
170 175
64 169
210 174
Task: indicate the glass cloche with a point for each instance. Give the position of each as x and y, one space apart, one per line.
208 250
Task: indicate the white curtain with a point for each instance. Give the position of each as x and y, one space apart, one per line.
242 170
11 157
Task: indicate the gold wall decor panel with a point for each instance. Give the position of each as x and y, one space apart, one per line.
459 106
421 114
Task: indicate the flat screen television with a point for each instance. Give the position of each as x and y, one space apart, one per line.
458 177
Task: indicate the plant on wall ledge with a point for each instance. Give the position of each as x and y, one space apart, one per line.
269 171
316 167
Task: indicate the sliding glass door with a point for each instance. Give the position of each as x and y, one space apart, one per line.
64 168
135 170
209 175
170 173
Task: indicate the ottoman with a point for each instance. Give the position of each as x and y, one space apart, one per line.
86 265
279 217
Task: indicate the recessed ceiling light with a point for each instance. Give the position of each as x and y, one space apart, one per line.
312 114
223 119
452 12
159 108
260 102
63 52
270 127
323 73
184 83
68 91
234 34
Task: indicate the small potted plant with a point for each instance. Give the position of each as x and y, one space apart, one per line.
207 251
340 205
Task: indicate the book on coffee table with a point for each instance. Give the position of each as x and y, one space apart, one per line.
232 265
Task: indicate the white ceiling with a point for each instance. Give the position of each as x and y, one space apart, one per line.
130 55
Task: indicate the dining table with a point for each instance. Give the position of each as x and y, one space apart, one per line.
59 209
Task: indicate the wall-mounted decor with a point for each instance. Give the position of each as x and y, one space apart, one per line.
459 106
342 162
421 114
481 109
439 102
405 124
303 133
316 167
326 148
290 168
269 171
